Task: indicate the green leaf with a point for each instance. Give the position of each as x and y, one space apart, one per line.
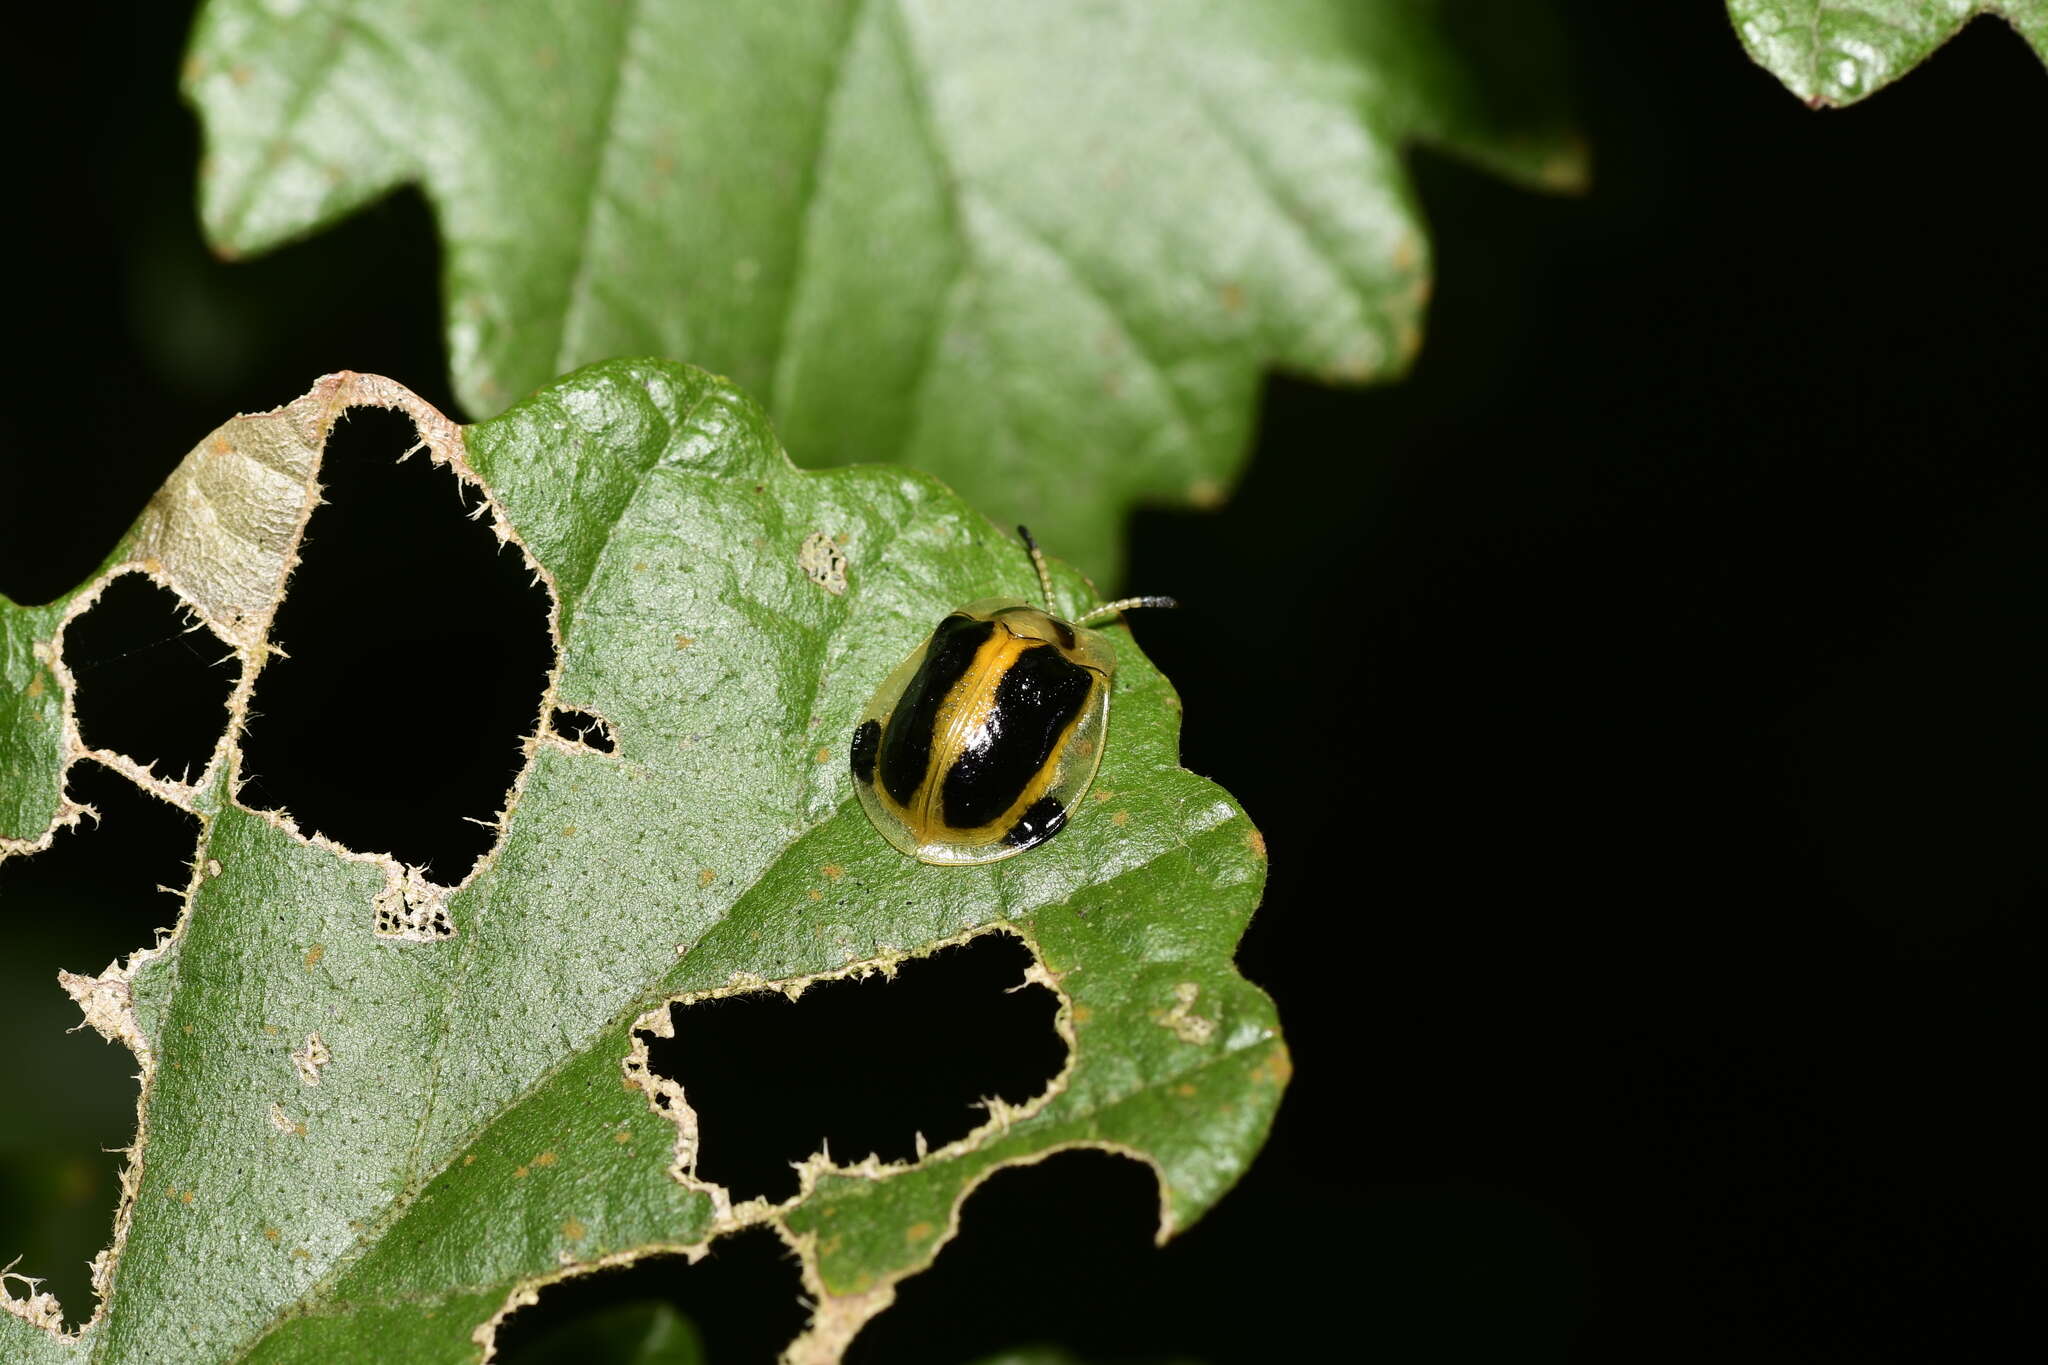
1042 251
30 734
1834 52
377 1112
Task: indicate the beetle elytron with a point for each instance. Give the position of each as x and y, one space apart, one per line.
981 742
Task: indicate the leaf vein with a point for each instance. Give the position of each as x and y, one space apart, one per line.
778 352
607 139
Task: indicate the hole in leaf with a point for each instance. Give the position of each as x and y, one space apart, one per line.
580 727
418 649
860 1066
88 899
153 684
1075 1230
742 1302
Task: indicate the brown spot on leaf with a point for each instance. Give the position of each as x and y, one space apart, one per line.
705 876
823 562
919 1231
35 686
1232 297
574 1231
684 641
823 755
519 1174
1256 842
314 954
544 1159
833 871
311 1059
1120 819
1276 1069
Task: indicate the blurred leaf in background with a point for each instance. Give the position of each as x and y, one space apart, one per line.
641 1333
1044 252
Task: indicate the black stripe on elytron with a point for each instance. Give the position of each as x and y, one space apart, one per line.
1038 824
907 743
1036 701
866 739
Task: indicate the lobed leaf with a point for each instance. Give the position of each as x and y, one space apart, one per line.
1041 251
377 1114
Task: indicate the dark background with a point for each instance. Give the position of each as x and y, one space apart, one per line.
1643 703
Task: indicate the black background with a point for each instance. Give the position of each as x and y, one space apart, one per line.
1643 704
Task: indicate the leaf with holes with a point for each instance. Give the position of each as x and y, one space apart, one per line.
378 1113
1834 52
1042 251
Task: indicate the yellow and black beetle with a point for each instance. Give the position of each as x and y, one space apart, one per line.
981 742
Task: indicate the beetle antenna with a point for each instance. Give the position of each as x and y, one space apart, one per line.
1038 561
1125 604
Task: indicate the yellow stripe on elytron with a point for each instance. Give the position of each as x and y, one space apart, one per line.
965 709
976 692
